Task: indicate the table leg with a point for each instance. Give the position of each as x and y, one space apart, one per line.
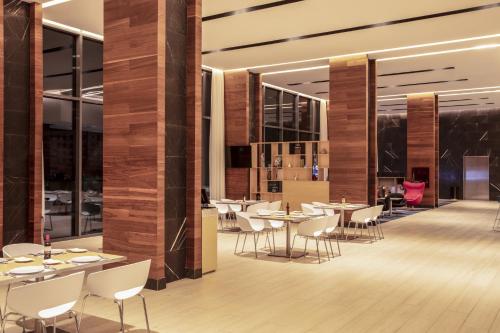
342 222
390 207
288 250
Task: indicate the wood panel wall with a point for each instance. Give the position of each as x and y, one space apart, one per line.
351 130
423 142
36 124
236 120
1 119
193 171
372 132
134 131
258 107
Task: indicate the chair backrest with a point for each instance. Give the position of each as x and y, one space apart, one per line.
414 192
313 227
275 205
221 208
235 208
21 249
331 223
108 283
377 211
247 224
255 207
362 215
32 299
309 209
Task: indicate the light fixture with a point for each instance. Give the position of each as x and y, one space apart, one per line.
418 55
391 99
69 28
440 91
471 93
296 70
53 3
402 48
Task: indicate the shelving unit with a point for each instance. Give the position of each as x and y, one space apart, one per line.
280 169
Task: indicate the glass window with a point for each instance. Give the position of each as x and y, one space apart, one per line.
289 135
289 111
272 108
92 69
272 134
58 62
317 117
206 111
92 168
305 114
305 136
59 165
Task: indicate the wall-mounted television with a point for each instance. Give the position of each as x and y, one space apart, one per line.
238 157
420 175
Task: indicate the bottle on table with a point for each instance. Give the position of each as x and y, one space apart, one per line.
287 208
47 247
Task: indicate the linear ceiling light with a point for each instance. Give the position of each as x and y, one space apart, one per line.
53 3
474 48
471 93
402 48
391 99
69 28
296 70
440 91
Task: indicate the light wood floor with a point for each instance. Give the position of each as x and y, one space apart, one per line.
436 271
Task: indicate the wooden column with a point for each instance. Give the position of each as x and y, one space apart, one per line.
236 120
258 112
134 132
193 139
1 119
423 142
352 129
36 124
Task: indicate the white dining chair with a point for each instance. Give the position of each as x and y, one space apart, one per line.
275 205
249 226
255 207
21 249
361 218
222 210
119 284
46 300
376 212
331 226
327 211
309 209
274 225
314 229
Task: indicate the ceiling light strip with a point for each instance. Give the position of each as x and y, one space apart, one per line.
372 52
440 91
297 70
68 28
53 3
292 91
418 55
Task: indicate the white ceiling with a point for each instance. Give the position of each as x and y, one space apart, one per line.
480 67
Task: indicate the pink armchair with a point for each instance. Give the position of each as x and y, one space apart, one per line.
414 192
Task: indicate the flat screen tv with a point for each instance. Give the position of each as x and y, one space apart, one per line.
239 157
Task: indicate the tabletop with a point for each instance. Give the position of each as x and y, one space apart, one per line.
340 206
285 218
65 267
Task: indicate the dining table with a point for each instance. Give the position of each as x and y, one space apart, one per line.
243 203
342 208
288 220
64 267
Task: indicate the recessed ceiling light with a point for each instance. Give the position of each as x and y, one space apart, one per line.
53 3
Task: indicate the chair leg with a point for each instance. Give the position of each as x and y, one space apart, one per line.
293 243
255 240
274 244
331 248
237 240
54 325
326 248
244 242
317 251
120 309
44 326
77 325
82 311
338 245
381 230
145 310
305 247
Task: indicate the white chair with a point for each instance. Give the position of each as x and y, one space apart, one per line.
361 217
46 300
275 205
21 249
314 229
223 210
274 225
331 225
119 284
255 207
249 226
309 209
327 211
376 212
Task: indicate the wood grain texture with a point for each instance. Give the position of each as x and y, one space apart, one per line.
236 118
237 183
258 105
1 118
349 128
372 132
134 131
193 139
423 145
236 108
36 124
